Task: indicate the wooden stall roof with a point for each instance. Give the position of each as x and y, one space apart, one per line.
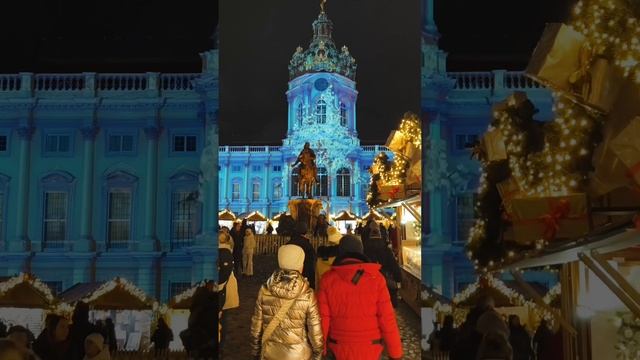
226 215
345 215
117 297
28 292
183 300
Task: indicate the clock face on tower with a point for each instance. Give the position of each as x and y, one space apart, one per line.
321 84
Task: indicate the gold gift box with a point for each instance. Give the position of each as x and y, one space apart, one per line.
508 190
544 218
392 192
396 141
493 143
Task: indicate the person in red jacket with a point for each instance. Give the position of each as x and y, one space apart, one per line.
358 320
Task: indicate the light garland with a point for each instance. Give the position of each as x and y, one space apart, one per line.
628 345
191 291
125 285
21 278
552 293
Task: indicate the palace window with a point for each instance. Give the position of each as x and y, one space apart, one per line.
277 190
321 112
56 189
277 168
4 143
343 114
256 168
235 191
465 214
185 143
344 182
57 144
120 143
321 188
185 209
294 182
120 189
255 186
177 288
464 141
299 115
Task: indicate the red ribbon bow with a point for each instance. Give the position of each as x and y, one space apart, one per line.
552 220
393 192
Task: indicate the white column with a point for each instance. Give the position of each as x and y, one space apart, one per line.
22 237
86 242
151 197
229 187
267 187
286 178
247 184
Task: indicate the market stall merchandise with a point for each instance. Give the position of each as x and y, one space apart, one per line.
25 300
131 310
345 219
226 218
257 219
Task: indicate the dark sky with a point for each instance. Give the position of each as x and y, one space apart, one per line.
383 38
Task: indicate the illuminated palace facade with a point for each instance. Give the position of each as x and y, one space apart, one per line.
456 110
101 175
322 111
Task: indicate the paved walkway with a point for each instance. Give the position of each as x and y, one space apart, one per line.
239 320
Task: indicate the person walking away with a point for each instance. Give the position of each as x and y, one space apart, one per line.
326 254
393 239
358 320
286 322
228 289
95 348
53 343
468 339
300 239
269 228
9 350
519 339
491 320
111 340
80 329
494 346
448 334
200 339
542 341
376 249
247 252
238 243
161 338
22 337
358 230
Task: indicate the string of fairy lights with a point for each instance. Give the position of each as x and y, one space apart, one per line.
558 169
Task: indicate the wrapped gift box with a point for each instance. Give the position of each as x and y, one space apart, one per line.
411 151
392 192
396 141
549 218
415 173
626 146
493 143
508 190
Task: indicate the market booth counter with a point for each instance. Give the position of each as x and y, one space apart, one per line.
25 300
131 310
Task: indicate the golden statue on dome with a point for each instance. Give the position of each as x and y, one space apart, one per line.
322 2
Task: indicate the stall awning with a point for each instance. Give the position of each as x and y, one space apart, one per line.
502 294
255 216
412 200
183 300
372 214
227 215
116 294
25 291
345 216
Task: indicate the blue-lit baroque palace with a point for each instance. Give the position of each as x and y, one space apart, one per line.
322 111
456 110
105 175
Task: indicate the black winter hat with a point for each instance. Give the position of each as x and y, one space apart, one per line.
350 244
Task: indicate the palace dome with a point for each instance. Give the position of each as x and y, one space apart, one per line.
322 54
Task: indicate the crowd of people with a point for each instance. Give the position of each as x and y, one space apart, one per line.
485 335
337 303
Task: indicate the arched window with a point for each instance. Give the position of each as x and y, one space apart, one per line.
321 112
56 193
299 115
343 114
321 188
120 195
294 182
235 189
255 189
186 212
344 182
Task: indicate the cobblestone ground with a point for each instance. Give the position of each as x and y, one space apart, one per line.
239 320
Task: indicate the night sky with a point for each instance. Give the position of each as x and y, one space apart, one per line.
258 38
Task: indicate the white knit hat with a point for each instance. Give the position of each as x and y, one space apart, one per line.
334 235
291 257
97 339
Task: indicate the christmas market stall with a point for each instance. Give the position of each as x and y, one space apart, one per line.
177 314
226 218
564 192
257 219
434 307
396 185
25 300
131 310
345 219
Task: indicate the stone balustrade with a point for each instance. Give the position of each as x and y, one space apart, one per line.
493 81
267 149
92 84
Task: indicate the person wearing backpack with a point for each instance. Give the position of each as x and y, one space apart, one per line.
376 249
286 321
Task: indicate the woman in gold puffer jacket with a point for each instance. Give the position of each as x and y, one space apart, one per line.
298 334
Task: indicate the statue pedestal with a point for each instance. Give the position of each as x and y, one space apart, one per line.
305 211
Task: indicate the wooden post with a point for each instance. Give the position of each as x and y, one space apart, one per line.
615 275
